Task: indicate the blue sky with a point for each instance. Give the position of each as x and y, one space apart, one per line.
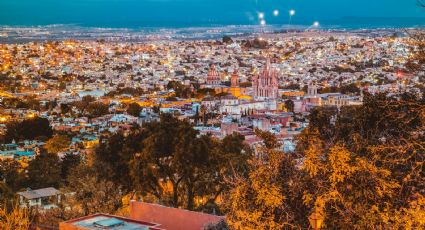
152 12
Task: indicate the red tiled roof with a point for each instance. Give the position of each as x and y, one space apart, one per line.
171 218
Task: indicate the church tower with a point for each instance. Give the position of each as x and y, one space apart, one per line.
266 83
234 80
312 90
213 77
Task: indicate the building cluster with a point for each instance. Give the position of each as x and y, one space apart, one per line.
221 87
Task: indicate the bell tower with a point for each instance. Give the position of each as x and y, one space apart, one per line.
234 80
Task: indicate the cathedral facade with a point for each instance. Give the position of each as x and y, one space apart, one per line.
265 84
213 77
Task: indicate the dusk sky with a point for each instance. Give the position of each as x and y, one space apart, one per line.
151 12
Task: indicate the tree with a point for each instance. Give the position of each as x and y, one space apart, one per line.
17 219
44 171
112 157
97 109
84 103
180 170
356 168
180 89
417 61
201 93
196 116
69 161
204 114
57 144
161 162
339 190
65 108
380 146
221 225
52 217
28 129
6 194
134 109
270 141
227 39
175 169
92 195
289 105
12 177
12 174
257 201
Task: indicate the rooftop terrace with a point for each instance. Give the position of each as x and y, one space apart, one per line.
108 222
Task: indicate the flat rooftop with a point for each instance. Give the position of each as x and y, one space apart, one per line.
107 222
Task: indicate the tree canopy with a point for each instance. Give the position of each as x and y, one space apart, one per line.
28 129
57 144
172 169
359 167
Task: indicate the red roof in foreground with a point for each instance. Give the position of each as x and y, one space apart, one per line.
90 222
171 218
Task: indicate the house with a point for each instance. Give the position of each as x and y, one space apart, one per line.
145 216
105 221
44 198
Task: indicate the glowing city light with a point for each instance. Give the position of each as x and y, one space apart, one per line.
263 22
261 15
291 13
316 24
276 12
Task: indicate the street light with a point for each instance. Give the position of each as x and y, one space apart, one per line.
316 220
316 24
261 15
291 13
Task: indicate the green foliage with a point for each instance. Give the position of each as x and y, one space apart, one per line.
84 103
417 62
201 93
180 89
65 108
289 105
57 144
270 141
112 157
69 162
134 109
92 194
258 200
28 129
44 171
16 219
292 87
172 169
171 99
227 39
12 174
361 167
345 89
97 109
